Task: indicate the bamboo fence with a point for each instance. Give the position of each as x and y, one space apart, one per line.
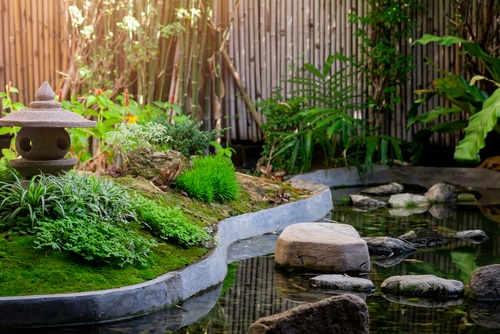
247 49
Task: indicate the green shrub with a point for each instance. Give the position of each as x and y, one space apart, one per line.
170 224
187 137
212 179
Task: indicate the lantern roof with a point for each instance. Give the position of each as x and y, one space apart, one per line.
46 112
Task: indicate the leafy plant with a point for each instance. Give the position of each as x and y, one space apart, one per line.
129 137
170 224
186 135
94 240
386 67
325 102
212 179
483 109
223 151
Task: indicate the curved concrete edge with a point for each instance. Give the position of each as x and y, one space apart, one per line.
424 176
171 288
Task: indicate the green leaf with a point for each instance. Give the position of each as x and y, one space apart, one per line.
446 40
480 124
9 154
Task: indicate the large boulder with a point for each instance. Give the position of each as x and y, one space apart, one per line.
327 247
485 283
423 286
344 314
149 163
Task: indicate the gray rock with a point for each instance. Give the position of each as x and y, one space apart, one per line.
423 285
385 189
148 163
344 314
365 201
422 237
342 282
408 201
485 283
474 236
442 192
388 246
485 313
327 247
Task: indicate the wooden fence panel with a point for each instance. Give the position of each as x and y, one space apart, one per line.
267 39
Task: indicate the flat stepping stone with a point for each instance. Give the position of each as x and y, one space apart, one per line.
327 247
342 282
423 286
385 189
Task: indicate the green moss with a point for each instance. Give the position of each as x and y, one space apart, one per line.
28 271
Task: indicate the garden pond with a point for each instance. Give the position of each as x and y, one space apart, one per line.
253 287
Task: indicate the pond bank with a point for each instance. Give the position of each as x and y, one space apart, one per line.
167 290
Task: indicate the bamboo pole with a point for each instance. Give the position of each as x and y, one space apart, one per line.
242 90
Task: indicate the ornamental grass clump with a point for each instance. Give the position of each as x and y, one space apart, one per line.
212 179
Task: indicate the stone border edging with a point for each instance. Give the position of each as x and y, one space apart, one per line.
424 176
167 290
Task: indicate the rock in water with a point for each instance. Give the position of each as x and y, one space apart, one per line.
423 285
385 189
441 193
327 247
344 314
387 246
485 283
342 282
422 237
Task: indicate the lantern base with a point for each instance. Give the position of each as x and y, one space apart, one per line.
30 168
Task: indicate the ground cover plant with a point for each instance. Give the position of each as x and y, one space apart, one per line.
109 236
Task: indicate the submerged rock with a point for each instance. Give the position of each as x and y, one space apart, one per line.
346 314
388 246
485 283
342 282
385 189
329 247
423 285
485 313
365 201
441 193
422 237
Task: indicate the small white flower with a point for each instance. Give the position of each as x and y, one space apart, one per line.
129 24
76 16
87 31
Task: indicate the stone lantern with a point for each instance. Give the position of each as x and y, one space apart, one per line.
43 141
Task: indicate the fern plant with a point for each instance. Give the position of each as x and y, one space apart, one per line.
327 102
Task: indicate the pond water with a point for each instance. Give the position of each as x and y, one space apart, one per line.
254 289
